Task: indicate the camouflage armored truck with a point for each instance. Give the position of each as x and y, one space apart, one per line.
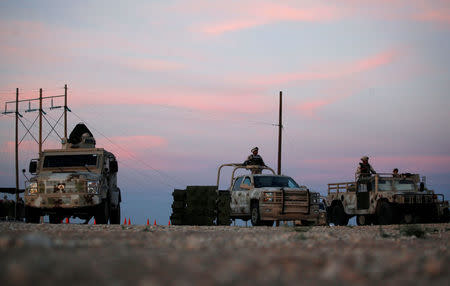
385 199
265 198
78 180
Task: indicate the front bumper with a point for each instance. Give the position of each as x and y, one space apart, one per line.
275 212
62 201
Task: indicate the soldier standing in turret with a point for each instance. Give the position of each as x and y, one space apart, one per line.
364 169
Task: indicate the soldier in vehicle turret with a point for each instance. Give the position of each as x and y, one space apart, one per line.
255 160
364 169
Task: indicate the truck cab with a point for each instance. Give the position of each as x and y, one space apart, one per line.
77 180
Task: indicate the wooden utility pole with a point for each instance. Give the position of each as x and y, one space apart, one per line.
17 152
280 127
40 121
65 111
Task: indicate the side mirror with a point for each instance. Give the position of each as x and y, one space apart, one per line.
114 167
33 167
421 187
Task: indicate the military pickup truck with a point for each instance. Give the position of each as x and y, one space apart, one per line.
385 199
265 198
77 180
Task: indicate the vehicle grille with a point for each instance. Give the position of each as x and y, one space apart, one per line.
294 201
418 199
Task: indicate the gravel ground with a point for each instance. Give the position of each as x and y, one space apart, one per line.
64 254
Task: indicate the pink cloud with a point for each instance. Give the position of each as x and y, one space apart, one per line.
436 16
251 14
129 147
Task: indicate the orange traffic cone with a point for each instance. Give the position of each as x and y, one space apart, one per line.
95 222
169 222
67 220
154 222
148 222
125 221
129 221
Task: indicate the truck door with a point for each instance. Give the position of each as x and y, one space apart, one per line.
235 190
363 195
245 196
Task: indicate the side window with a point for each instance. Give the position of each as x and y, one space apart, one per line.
247 181
237 184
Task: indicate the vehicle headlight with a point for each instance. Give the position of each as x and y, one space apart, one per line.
92 187
33 188
268 197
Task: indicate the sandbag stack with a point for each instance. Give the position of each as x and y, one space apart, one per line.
223 208
178 216
201 205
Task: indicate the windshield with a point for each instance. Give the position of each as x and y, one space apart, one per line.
404 185
61 161
398 185
274 181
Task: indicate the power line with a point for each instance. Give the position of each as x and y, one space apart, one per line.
160 173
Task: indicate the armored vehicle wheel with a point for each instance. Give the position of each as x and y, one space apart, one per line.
268 222
363 220
102 213
55 219
31 215
408 218
254 210
115 215
338 215
385 213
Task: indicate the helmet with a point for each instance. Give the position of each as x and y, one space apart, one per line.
254 149
364 158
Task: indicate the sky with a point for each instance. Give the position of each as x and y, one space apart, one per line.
176 88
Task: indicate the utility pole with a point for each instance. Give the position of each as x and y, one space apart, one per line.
280 127
40 121
17 152
65 111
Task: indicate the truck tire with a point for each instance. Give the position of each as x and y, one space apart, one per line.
32 215
385 213
363 220
338 215
255 217
102 213
115 215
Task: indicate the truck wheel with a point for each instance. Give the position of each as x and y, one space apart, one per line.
31 215
268 222
115 215
102 213
254 210
408 218
385 213
363 220
55 219
338 216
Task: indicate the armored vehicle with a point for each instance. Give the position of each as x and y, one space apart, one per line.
385 199
77 180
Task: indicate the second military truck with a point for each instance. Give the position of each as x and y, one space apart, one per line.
385 199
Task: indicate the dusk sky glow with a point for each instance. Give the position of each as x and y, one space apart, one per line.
176 88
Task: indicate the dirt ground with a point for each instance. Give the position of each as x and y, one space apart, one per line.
69 254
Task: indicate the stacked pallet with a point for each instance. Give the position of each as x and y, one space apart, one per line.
223 208
178 216
201 205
